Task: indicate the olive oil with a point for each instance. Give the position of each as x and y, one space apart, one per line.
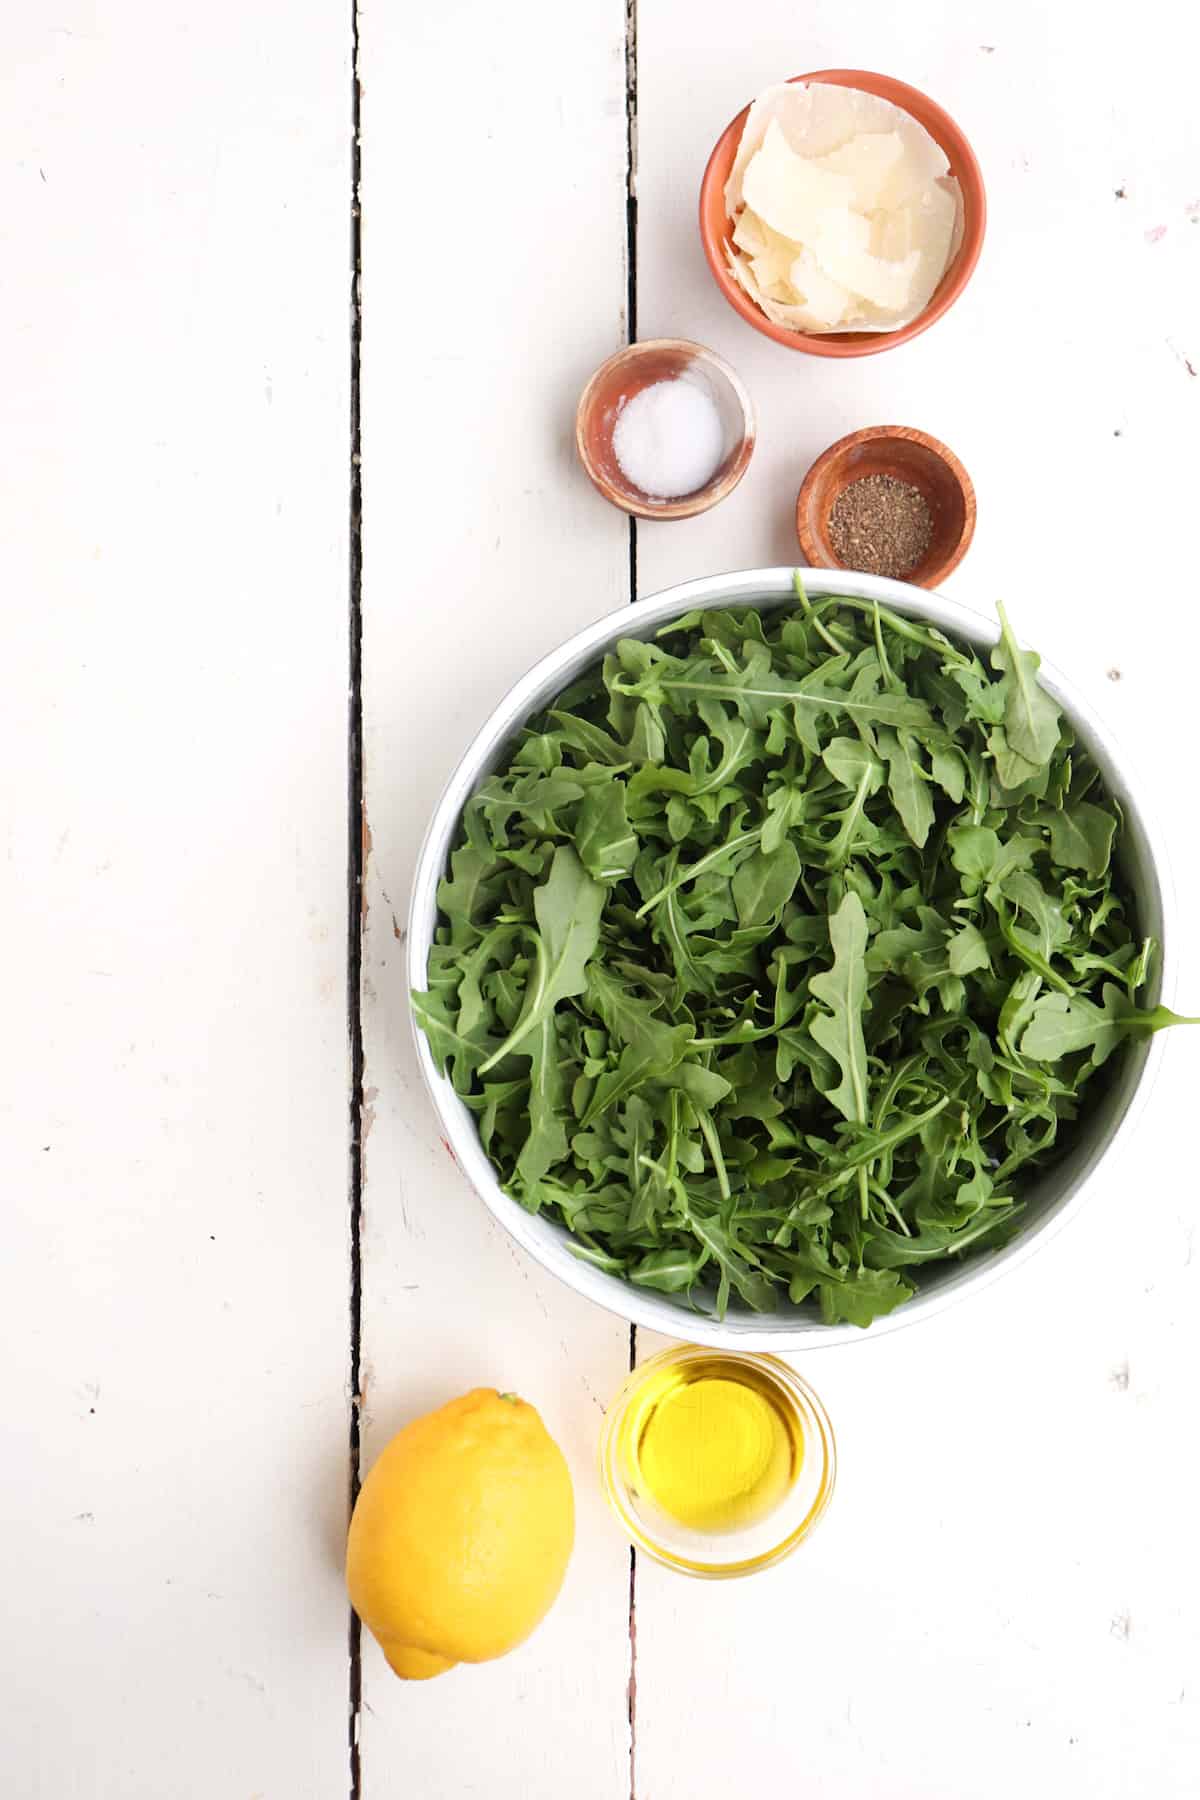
714 1442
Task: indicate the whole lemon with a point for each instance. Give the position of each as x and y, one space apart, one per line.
461 1534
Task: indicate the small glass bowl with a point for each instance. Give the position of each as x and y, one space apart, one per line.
744 1550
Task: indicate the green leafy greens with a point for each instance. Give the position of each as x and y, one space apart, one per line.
782 952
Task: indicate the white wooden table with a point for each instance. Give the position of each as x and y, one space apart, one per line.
225 1211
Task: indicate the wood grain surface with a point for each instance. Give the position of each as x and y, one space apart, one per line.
266 558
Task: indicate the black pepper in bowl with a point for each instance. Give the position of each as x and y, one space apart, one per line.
880 526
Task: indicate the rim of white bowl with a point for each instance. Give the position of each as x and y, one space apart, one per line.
547 1242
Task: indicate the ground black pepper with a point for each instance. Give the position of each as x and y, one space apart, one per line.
881 526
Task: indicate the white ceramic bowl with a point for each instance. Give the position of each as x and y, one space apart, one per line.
1051 1200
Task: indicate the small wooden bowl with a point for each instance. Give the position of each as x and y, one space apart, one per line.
911 456
627 373
716 227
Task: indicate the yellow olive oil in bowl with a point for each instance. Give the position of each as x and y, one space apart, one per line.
717 1463
712 1442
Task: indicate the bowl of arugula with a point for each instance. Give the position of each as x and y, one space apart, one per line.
784 962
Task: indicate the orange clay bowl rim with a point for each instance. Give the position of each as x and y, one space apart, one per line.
814 551
964 165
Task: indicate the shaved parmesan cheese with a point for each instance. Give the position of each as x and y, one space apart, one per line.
817 117
893 234
750 234
822 298
799 317
871 162
792 193
841 247
826 310
936 223
768 258
771 277
845 214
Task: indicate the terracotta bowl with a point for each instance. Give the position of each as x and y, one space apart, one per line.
911 456
716 228
627 373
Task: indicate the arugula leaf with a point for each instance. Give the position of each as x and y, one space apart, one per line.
1017 1010
546 1144
459 1052
671 1271
1031 718
862 1296
1081 837
908 782
1063 1024
978 854
755 1289
1028 895
853 765
652 1049
606 845
893 1250
1013 771
736 846
764 884
596 744
967 951
843 991
465 895
949 771
567 909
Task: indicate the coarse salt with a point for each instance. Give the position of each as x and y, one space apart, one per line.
668 439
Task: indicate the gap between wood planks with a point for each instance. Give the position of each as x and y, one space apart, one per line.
355 863
631 153
631 150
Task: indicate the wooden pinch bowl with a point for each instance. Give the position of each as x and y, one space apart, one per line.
908 455
716 227
639 366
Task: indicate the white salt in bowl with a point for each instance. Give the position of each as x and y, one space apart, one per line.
628 374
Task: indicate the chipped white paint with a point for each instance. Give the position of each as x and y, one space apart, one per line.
1004 1595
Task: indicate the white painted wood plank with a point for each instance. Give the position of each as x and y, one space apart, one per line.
1004 1595
483 547
174 202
